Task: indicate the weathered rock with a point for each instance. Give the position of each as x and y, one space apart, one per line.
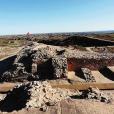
34 95
26 64
18 73
88 75
60 67
95 93
43 95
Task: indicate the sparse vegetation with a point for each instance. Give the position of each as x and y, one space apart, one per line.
52 57
11 42
10 47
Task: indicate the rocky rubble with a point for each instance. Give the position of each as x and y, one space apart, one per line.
43 51
42 95
28 58
95 93
88 75
34 95
17 73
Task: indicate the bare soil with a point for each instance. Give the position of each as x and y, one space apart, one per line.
75 106
6 52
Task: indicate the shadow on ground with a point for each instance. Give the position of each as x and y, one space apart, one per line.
6 64
15 100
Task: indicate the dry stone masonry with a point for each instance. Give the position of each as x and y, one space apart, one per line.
60 67
40 61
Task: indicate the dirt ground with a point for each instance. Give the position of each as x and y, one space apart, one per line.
6 52
71 106
75 106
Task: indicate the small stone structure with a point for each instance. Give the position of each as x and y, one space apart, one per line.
40 61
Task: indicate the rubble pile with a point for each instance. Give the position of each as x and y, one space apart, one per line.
37 94
17 73
88 75
31 57
43 95
95 93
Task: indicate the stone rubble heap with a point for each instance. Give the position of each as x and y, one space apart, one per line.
95 93
26 63
17 73
42 95
88 75
36 94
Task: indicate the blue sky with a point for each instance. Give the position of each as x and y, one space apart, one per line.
44 16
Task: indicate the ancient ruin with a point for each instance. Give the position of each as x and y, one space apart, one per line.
38 61
46 74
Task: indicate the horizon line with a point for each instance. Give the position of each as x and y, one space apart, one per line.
15 34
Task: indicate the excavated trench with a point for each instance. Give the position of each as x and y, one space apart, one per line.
41 64
76 65
91 64
45 70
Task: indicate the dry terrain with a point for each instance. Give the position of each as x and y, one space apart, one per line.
10 47
50 75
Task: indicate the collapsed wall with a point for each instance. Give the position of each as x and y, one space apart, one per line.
37 94
39 61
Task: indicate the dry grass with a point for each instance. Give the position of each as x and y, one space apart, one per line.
9 47
8 51
11 42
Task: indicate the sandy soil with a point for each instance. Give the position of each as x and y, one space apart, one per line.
97 75
100 78
111 68
75 106
72 76
6 52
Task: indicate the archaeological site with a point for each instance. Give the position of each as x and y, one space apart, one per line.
60 72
